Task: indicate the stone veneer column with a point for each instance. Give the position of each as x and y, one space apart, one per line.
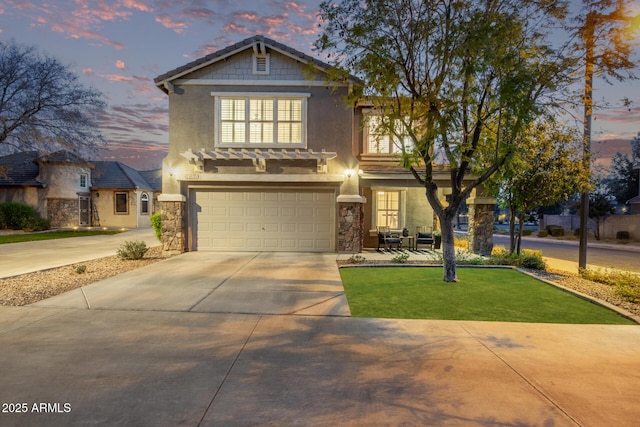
350 223
172 210
481 225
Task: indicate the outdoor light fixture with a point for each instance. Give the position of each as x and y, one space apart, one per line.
349 173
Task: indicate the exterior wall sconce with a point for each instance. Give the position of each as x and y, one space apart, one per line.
349 173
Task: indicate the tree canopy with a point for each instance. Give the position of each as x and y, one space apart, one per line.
460 80
43 106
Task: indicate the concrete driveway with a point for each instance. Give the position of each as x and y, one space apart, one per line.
213 282
266 339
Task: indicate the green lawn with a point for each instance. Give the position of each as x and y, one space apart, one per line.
16 238
492 294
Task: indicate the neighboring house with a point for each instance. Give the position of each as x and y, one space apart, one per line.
264 155
71 192
122 196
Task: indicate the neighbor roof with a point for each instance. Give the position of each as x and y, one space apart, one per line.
234 49
20 169
108 174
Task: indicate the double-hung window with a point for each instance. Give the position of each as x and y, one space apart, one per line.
387 209
381 141
251 120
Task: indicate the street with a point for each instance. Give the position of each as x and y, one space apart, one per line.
620 257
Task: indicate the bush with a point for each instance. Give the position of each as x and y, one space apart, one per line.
14 215
357 259
156 223
527 258
527 232
543 233
132 250
622 235
400 258
555 230
461 243
531 259
81 269
36 224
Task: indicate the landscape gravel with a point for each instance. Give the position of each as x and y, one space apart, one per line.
33 287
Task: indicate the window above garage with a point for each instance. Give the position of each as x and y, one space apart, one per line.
261 120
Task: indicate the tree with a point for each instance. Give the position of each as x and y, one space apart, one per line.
42 104
545 169
622 181
605 27
460 80
600 207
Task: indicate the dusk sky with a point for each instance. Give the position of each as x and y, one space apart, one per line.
119 47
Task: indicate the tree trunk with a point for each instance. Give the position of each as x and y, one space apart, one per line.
520 230
512 229
448 250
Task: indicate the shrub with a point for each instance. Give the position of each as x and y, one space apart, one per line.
357 259
36 224
622 235
81 269
156 223
132 250
15 215
461 243
526 259
527 232
543 233
400 258
465 257
531 259
555 230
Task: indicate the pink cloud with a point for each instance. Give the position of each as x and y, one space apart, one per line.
120 64
168 22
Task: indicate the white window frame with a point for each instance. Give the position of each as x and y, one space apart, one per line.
247 97
401 206
394 145
144 199
84 180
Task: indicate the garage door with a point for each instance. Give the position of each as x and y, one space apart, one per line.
264 220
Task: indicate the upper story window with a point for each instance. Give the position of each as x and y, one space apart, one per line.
261 120
379 141
83 180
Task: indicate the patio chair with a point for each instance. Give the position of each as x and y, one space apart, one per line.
424 236
388 239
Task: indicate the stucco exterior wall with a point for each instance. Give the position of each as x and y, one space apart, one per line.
192 121
105 204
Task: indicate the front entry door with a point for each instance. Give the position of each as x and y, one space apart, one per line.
84 204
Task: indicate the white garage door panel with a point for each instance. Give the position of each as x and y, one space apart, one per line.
265 220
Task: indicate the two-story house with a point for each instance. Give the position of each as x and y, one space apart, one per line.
265 155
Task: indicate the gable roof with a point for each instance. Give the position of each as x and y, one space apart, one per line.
19 170
165 79
108 174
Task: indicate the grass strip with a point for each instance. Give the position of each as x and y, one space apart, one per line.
32 237
484 294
